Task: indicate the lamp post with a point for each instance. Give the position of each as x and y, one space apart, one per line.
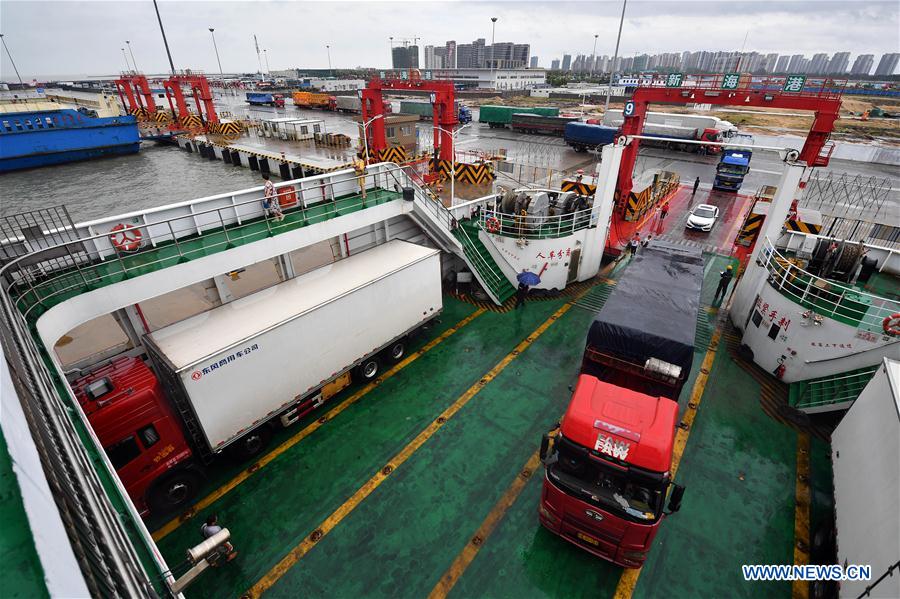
212 32
453 160
612 70
11 59
328 49
391 39
125 56
133 61
493 32
366 136
593 56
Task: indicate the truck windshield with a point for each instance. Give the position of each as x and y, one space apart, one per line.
732 169
592 481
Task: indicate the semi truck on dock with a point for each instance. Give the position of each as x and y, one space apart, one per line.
261 99
223 379
539 124
583 136
608 470
501 116
313 100
354 104
733 166
425 110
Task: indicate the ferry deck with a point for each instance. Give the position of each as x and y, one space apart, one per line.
426 482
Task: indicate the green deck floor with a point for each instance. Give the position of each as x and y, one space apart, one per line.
739 469
24 574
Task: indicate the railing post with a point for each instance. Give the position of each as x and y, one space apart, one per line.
175 240
224 230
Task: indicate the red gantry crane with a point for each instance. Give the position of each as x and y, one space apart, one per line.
135 94
442 96
793 92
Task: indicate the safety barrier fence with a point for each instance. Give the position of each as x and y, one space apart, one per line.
535 227
826 298
109 250
838 389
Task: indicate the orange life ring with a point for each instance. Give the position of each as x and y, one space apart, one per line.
126 237
891 324
492 224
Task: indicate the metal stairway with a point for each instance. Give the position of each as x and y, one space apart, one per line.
480 261
829 393
459 237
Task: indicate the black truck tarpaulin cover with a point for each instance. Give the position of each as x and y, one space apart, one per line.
652 312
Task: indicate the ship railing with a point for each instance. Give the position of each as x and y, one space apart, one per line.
825 298
97 529
534 227
838 389
159 238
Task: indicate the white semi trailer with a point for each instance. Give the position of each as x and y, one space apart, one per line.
226 377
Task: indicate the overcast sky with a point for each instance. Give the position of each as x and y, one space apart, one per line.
84 38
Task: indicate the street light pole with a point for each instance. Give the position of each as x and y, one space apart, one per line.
493 35
453 160
328 49
593 56
125 56
366 136
212 32
165 42
615 58
133 61
11 59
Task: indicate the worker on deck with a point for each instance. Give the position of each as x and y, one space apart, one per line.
696 186
270 200
360 167
724 279
211 528
633 244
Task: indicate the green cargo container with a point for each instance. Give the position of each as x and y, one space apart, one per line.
423 109
501 116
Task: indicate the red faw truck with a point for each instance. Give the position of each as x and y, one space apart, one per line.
608 470
223 379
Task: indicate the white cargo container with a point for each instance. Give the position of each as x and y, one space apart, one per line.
865 449
233 368
348 104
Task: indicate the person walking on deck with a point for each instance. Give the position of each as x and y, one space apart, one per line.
724 280
360 168
270 200
521 295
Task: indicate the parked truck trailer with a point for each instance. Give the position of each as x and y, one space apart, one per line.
425 110
539 124
608 470
265 99
223 379
501 116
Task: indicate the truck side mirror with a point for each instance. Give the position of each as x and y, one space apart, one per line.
675 498
545 446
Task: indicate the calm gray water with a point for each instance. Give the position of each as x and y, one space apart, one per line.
157 175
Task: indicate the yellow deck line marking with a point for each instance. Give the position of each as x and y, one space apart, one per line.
467 555
310 429
629 578
802 495
310 541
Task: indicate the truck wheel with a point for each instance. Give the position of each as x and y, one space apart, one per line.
174 491
251 445
396 351
369 369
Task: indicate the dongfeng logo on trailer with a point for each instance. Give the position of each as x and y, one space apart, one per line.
200 373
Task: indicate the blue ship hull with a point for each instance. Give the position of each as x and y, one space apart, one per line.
35 139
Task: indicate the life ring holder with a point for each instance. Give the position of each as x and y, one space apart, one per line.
126 238
891 325
492 224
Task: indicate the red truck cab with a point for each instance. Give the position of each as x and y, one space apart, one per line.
607 473
278 100
125 406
